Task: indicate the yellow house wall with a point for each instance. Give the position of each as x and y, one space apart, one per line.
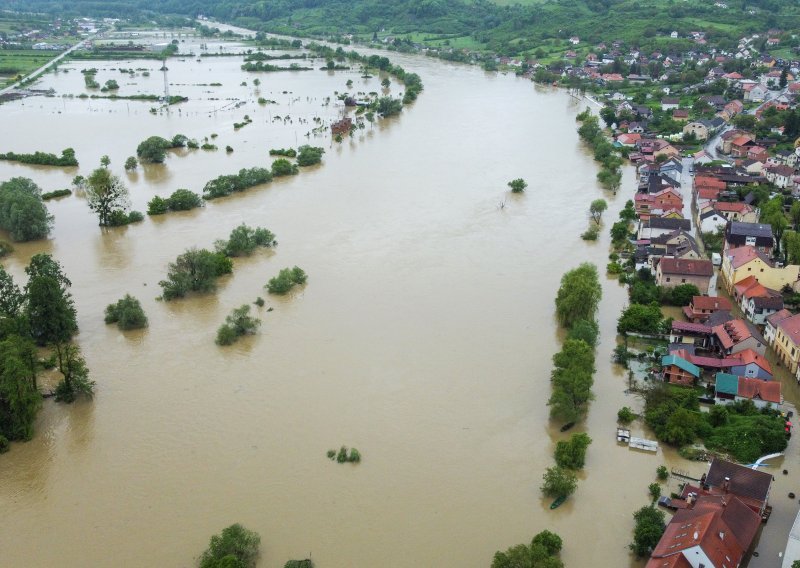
771 277
783 346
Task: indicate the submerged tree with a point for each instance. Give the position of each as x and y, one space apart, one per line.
50 310
235 547
106 195
22 212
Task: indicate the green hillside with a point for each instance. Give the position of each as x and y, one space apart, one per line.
503 26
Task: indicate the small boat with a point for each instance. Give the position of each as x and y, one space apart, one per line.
567 426
558 502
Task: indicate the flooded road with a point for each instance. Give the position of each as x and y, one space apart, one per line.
423 338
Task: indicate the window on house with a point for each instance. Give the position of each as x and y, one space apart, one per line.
668 279
683 280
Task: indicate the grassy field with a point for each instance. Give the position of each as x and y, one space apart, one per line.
14 62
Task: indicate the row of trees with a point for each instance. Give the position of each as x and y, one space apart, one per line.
180 200
610 174
67 158
42 313
572 377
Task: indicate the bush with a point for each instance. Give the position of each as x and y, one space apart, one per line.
244 240
654 489
625 415
119 218
571 454
517 185
543 551
183 200
153 150
309 155
22 212
237 324
226 335
56 194
5 445
640 319
259 302
290 153
196 270
235 547
648 530
228 184
131 164
307 563
680 295
578 295
157 206
127 313
662 473
559 482
286 280
331 454
283 167
591 234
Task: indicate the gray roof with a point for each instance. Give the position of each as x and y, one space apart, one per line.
741 229
671 224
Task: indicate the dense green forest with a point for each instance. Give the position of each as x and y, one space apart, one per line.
508 28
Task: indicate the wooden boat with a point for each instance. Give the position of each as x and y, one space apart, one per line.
567 426
558 502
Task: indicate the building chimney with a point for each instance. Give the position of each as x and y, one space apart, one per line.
726 485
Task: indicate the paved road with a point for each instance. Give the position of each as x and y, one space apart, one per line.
45 66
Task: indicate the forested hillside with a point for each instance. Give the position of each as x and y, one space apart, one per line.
481 24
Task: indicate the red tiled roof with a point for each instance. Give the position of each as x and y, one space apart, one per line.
791 328
768 391
732 333
773 319
686 267
714 362
742 255
733 207
744 284
741 140
711 303
749 356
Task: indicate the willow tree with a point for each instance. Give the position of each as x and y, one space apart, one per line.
579 295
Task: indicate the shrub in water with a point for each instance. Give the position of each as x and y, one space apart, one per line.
127 313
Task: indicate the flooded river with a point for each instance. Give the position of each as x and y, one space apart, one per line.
423 338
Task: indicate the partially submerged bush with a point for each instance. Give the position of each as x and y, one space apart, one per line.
237 324
286 280
196 270
127 313
244 240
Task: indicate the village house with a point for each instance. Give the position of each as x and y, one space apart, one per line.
752 365
755 92
780 176
678 371
701 307
771 326
657 226
718 521
680 114
665 200
737 335
757 235
787 342
745 262
670 103
672 272
729 389
739 146
759 302
695 335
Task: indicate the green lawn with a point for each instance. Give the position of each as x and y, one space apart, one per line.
21 61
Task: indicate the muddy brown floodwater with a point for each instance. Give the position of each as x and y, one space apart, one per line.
423 338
